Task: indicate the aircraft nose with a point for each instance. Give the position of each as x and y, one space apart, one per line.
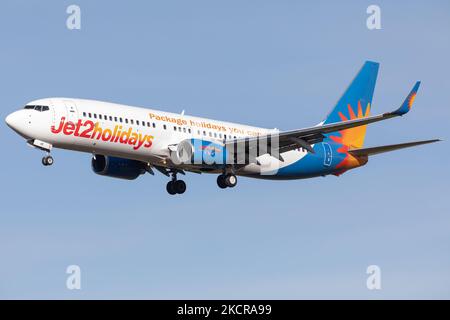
13 119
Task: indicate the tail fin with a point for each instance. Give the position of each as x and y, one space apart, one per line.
356 103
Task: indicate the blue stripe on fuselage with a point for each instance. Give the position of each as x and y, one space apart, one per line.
313 164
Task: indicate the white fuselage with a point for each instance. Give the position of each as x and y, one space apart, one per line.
130 132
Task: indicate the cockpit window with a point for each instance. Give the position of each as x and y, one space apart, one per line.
37 108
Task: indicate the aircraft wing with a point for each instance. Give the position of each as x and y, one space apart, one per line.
289 140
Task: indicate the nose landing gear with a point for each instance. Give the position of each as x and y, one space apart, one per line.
47 160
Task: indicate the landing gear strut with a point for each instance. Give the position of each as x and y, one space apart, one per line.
175 186
226 181
47 160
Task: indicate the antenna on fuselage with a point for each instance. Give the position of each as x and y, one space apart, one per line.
182 112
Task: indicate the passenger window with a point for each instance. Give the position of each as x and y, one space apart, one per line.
137 122
210 134
215 135
220 135
164 126
189 130
179 129
132 122
204 133
121 120
225 136
154 125
184 130
110 118
126 120
90 115
95 116
115 119
84 114
100 116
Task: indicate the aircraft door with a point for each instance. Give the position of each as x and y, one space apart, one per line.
57 111
71 109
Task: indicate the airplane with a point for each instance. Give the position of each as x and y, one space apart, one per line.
126 142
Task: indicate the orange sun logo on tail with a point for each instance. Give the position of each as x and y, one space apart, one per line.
411 99
352 138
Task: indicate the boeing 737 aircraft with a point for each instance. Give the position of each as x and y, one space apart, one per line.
126 142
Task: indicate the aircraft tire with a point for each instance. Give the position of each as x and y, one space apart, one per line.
179 186
230 180
170 187
221 181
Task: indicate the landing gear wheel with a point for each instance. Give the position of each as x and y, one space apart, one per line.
226 181
230 180
47 161
221 181
171 188
179 186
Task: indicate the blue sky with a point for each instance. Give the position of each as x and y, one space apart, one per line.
266 63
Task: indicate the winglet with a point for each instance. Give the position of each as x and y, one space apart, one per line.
407 104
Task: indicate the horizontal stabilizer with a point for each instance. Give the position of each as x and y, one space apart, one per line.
392 147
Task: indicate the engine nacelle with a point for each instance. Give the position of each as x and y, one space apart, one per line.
117 167
197 151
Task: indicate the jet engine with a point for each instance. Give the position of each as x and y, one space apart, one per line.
117 167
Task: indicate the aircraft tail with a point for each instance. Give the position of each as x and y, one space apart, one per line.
355 103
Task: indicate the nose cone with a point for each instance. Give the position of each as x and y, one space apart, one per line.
17 122
13 120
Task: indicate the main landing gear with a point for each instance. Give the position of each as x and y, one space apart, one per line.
226 181
47 160
175 186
